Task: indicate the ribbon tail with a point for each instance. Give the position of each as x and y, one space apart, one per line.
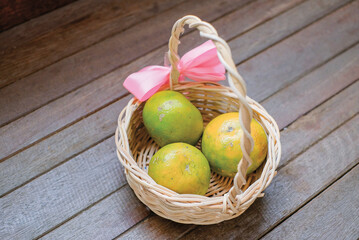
146 82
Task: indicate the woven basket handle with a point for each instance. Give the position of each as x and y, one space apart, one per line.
235 80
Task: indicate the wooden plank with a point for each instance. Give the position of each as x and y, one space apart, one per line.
16 103
59 147
58 195
280 27
300 135
334 214
15 168
56 44
284 63
317 124
155 226
63 113
104 221
39 26
34 134
315 88
15 12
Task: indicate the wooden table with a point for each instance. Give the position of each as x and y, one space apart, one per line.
61 76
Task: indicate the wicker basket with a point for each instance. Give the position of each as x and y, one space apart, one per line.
226 197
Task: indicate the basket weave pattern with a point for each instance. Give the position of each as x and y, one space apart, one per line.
226 197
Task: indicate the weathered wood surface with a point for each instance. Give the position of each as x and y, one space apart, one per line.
13 13
317 220
60 177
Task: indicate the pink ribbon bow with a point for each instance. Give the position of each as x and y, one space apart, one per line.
199 64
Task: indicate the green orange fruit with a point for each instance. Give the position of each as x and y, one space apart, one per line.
181 168
221 144
170 117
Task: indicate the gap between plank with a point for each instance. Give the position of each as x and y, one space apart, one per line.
66 126
305 26
139 222
58 164
325 135
313 69
78 213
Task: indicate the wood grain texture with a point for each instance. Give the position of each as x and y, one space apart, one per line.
315 87
59 147
295 184
113 17
46 129
318 123
88 98
119 212
289 22
249 16
15 12
334 214
300 135
56 196
295 56
39 26
96 60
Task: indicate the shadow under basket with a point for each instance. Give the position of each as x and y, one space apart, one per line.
224 199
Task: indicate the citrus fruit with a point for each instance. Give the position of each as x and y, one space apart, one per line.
181 168
170 117
221 144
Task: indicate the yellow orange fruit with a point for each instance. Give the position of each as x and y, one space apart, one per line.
181 168
170 117
221 144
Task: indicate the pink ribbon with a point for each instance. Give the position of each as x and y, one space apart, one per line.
199 64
